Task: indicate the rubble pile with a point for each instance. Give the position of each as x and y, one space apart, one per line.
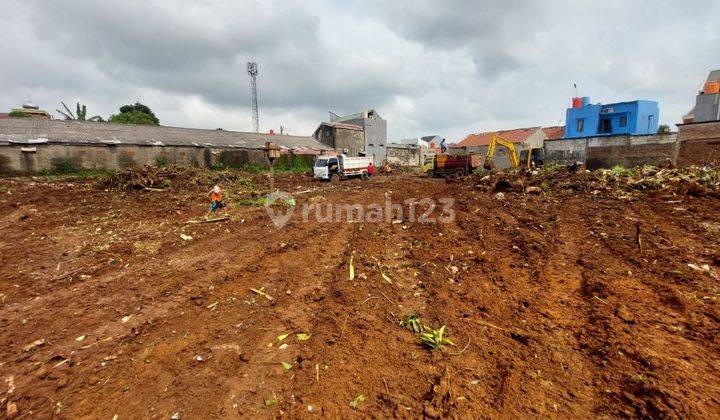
693 180
622 182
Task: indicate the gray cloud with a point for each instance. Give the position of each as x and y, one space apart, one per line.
448 67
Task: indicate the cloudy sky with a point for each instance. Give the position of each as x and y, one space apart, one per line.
427 66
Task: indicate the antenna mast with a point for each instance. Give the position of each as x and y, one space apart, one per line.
252 69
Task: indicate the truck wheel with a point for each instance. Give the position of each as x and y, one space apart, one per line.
334 178
430 173
460 173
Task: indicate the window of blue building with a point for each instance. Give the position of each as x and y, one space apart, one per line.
605 126
623 121
580 125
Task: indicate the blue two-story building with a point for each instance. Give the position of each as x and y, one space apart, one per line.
589 120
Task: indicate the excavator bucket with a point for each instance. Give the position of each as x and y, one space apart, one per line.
489 165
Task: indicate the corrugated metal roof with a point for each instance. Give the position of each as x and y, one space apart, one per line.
483 139
26 131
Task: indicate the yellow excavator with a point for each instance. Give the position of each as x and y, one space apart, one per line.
513 154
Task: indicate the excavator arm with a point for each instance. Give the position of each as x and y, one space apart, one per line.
512 152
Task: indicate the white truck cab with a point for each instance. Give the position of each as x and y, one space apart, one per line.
321 169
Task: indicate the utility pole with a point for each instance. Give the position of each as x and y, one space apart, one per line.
252 69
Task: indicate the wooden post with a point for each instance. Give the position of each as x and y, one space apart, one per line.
272 152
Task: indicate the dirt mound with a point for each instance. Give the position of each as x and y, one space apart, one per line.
167 177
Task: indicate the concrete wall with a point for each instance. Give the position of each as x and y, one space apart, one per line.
699 143
375 138
608 151
403 155
26 159
352 140
707 108
565 151
629 151
325 135
342 138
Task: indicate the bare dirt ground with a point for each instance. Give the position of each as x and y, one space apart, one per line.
555 308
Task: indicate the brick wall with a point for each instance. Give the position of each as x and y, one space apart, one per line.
699 143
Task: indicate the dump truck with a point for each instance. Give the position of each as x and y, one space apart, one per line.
337 167
456 165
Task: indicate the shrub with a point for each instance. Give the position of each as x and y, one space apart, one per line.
161 161
249 167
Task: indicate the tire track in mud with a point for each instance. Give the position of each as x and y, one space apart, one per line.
559 377
99 326
338 367
643 310
259 373
158 311
536 299
394 396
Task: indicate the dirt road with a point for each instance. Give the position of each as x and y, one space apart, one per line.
111 305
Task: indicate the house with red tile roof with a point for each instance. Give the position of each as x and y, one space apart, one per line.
518 136
530 138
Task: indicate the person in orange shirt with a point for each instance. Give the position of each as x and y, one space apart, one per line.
215 200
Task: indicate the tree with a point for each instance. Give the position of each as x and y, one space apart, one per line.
663 129
80 113
18 114
135 114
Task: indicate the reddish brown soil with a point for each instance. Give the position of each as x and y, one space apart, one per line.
554 310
